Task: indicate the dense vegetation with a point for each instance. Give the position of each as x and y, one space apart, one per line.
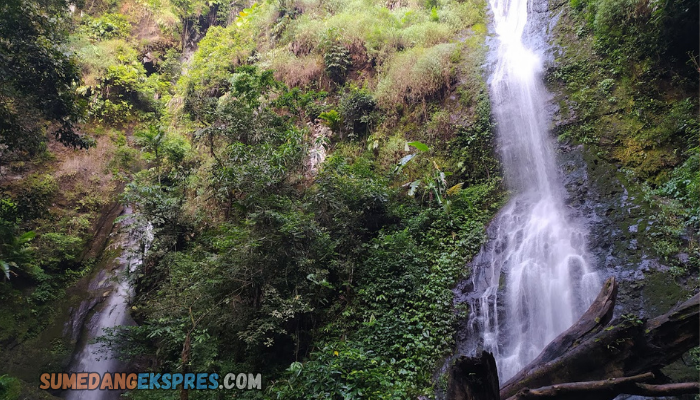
630 74
317 173
326 277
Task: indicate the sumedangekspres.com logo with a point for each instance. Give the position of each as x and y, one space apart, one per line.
124 381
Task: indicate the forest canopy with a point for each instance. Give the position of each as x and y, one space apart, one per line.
38 76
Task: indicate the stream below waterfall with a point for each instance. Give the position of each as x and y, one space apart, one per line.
533 278
106 307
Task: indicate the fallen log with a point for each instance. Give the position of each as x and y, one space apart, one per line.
626 347
473 378
582 390
591 322
669 389
609 388
595 358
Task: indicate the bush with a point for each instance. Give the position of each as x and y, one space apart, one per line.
336 56
418 75
357 108
107 26
56 248
10 388
35 196
302 71
337 61
331 119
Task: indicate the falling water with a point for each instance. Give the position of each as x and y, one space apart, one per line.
115 291
533 245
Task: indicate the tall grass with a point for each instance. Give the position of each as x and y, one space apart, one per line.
303 71
417 75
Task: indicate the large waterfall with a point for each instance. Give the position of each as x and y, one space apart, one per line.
533 245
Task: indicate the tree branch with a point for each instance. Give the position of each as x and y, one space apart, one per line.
625 347
582 390
671 389
608 388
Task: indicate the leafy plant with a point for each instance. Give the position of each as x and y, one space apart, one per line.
357 110
37 88
10 387
434 185
107 26
336 56
331 119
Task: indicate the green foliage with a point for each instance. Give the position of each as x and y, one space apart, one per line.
401 320
35 196
418 75
152 142
257 264
115 82
474 146
434 14
357 110
331 119
170 67
16 255
632 97
175 148
684 184
627 29
58 248
218 53
433 184
623 97
695 357
304 105
418 145
632 319
107 26
242 119
38 76
10 387
336 56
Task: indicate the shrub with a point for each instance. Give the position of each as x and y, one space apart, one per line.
302 71
10 388
36 195
56 248
108 26
357 111
331 119
426 34
336 56
418 75
337 61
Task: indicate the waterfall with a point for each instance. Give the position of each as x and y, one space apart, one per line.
533 245
115 290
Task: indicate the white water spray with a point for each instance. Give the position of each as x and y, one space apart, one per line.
92 356
542 255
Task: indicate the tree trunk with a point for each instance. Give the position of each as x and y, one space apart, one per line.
626 347
473 378
601 358
609 388
582 390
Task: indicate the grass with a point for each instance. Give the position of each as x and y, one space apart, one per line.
304 71
418 74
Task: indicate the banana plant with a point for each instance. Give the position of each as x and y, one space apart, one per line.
434 184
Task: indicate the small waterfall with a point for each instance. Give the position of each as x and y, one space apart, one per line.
533 245
115 290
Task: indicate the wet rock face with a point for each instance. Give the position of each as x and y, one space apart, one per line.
620 231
